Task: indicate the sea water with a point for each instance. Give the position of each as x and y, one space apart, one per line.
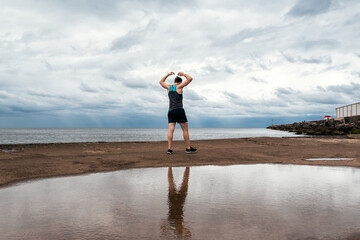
43 135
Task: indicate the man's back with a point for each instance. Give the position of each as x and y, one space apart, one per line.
175 99
176 113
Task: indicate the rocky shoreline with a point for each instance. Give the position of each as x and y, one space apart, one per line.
341 126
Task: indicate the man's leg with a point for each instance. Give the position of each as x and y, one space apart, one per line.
185 129
170 134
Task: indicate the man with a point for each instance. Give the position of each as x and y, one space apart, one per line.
176 112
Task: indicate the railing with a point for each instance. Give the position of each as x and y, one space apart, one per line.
348 110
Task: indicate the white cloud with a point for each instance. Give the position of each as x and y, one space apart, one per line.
106 59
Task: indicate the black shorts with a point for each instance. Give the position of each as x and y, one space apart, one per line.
177 116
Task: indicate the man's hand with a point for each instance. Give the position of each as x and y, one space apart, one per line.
185 83
162 81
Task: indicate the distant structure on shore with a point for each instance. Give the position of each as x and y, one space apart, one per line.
348 110
347 121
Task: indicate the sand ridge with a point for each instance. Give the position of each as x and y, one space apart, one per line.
20 162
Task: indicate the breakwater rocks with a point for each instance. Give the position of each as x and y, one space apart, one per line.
343 126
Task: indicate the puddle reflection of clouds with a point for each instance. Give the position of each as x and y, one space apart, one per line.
262 201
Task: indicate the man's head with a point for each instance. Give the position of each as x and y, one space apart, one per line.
178 79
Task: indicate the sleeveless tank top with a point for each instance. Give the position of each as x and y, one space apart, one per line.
175 99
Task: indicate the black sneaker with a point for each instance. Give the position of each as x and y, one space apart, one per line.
191 150
169 151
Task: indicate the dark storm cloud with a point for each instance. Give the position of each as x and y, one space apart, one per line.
38 101
210 69
353 20
229 70
261 63
357 74
330 95
4 94
249 33
310 60
352 89
231 95
106 9
48 65
135 84
319 60
42 94
337 67
259 80
102 8
133 37
309 8
213 68
254 104
285 91
328 99
26 109
192 95
86 88
130 39
111 77
243 34
318 44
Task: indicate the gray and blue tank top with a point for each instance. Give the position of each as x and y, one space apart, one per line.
175 99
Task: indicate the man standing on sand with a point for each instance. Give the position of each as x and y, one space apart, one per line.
176 112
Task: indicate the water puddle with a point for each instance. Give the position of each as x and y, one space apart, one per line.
8 150
328 159
211 202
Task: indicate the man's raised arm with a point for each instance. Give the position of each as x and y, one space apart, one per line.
187 81
162 81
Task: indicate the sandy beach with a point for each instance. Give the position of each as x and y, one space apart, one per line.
21 162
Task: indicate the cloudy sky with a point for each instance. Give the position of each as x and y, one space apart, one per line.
90 63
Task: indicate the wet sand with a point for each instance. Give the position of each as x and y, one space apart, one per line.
22 162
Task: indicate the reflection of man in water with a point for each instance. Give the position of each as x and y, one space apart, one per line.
176 201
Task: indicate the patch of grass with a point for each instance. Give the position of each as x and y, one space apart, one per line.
355 131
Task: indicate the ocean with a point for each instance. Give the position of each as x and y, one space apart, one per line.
68 135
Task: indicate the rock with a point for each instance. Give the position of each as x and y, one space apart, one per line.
323 127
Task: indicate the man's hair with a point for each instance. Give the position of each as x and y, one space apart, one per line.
178 79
